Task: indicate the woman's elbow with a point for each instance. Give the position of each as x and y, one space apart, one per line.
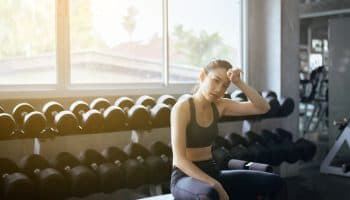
266 108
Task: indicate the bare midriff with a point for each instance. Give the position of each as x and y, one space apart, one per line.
198 154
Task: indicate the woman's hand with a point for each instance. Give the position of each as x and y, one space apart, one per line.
234 75
222 193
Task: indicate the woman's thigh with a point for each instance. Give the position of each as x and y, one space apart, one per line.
190 188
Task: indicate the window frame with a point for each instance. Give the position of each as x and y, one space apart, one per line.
63 87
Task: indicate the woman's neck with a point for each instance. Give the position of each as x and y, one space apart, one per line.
201 101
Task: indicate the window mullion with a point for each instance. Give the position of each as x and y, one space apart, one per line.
62 44
165 43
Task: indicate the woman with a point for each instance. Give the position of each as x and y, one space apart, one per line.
194 125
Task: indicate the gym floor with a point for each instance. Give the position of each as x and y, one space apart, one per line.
311 184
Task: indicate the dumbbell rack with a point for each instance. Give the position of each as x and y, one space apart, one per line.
326 163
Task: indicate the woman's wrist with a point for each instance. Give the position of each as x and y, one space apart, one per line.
239 84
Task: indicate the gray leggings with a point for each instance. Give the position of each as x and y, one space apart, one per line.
239 184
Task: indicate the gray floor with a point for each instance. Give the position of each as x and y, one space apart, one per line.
310 184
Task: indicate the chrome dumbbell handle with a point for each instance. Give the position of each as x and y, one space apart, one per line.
340 122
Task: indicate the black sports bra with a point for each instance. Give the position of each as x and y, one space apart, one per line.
198 136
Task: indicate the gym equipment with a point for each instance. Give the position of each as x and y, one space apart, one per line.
13 184
60 121
167 100
147 101
160 116
124 103
278 151
275 107
343 138
135 173
161 149
7 126
30 123
256 150
221 142
221 156
236 139
114 119
100 104
114 155
238 95
49 182
241 164
345 167
269 93
111 175
114 116
225 161
91 121
82 180
139 118
287 106
157 167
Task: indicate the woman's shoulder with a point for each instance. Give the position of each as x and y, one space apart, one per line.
182 106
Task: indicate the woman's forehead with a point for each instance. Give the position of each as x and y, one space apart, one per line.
219 73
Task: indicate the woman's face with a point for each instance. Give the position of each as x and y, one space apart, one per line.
214 84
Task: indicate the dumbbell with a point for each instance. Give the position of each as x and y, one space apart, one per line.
159 113
138 116
294 152
91 121
14 185
7 126
259 152
221 156
234 144
49 182
111 175
235 139
269 93
221 142
147 101
163 151
60 121
124 103
157 168
30 123
167 100
272 100
307 148
235 164
238 95
279 152
160 116
114 155
114 116
287 106
82 181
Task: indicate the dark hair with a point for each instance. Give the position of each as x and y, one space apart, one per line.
211 66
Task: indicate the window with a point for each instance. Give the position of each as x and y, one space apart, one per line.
27 42
116 41
201 31
113 44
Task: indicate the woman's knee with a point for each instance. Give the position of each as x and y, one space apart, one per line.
190 188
